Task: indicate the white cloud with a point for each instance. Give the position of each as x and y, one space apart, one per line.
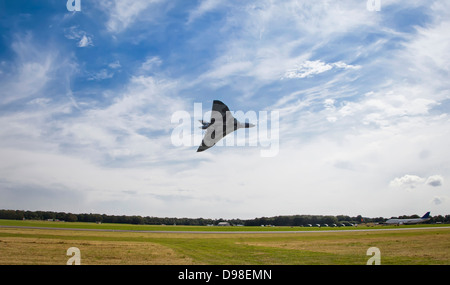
82 38
438 200
85 41
413 181
204 7
115 65
310 68
42 101
101 75
30 79
435 180
307 69
386 108
105 73
33 68
124 13
409 181
151 63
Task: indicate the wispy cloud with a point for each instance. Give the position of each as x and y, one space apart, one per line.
115 65
33 68
105 73
265 41
85 41
82 38
151 63
124 13
310 68
204 7
101 75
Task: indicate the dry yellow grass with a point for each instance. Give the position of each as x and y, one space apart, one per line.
411 244
31 250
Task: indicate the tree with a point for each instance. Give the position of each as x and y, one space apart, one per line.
71 218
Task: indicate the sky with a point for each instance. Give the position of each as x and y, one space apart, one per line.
88 98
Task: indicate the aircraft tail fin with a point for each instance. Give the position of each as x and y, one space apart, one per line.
426 216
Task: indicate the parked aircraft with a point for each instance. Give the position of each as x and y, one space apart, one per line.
425 218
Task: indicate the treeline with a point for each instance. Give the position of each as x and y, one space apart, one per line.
302 220
103 218
293 220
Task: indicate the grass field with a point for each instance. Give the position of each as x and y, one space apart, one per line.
49 246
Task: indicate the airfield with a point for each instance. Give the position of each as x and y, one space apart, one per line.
46 243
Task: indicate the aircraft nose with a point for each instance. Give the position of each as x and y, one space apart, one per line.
249 125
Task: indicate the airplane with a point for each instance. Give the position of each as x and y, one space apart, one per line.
425 218
222 123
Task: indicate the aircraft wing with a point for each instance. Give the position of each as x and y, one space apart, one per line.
214 133
220 107
221 111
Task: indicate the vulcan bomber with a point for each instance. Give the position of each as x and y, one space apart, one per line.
221 124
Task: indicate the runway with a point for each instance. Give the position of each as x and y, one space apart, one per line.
227 232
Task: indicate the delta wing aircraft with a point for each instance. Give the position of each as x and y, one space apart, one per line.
222 123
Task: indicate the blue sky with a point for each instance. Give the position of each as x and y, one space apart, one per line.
87 99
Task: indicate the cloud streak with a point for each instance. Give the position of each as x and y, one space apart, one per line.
311 68
82 38
122 14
